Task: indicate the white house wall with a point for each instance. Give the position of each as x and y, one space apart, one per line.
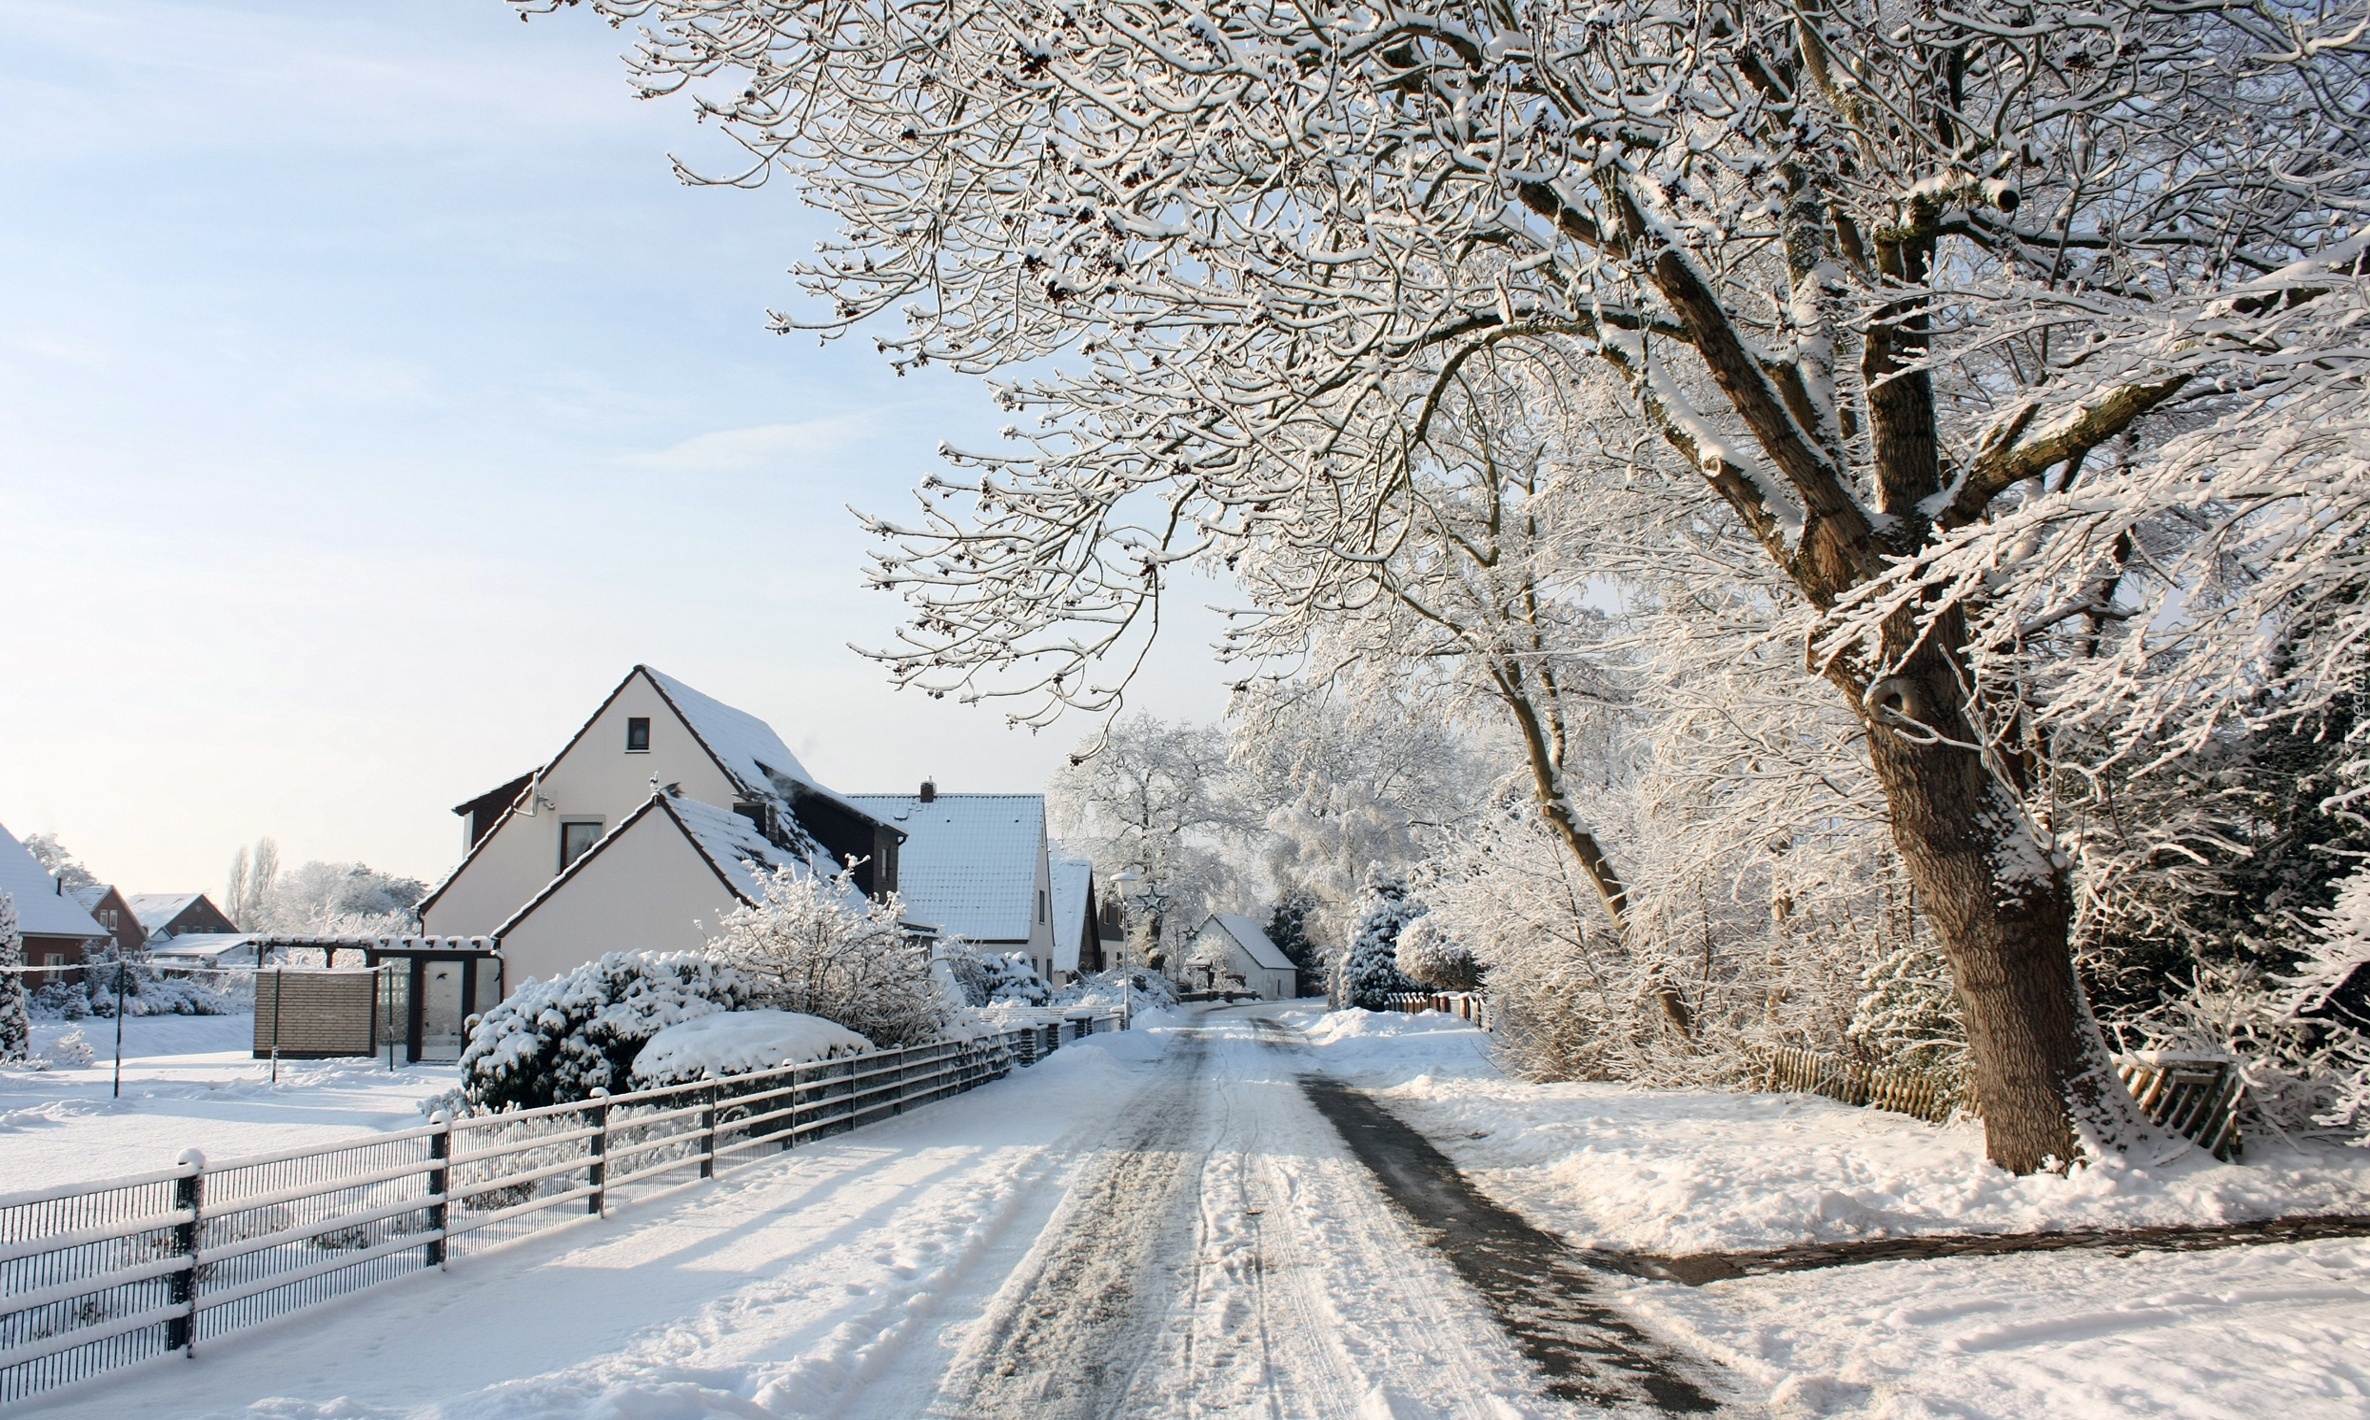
650 890
1041 925
595 778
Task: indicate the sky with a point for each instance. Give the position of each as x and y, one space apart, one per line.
373 398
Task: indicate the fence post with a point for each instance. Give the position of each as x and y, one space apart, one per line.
707 1132
189 1192
597 1175
440 1149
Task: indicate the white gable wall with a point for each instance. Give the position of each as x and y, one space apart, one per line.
1213 943
648 890
594 778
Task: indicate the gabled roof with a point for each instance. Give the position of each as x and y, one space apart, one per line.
969 862
751 755
1253 937
156 910
1073 888
735 851
90 897
41 909
743 746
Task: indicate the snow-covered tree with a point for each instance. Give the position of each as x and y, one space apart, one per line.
321 898
1434 960
62 865
1368 973
248 889
1878 273
1153 798
16 1027
818 946
1345 773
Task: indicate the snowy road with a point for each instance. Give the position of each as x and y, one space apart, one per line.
1116 1231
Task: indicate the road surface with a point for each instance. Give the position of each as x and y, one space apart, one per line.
1122 1230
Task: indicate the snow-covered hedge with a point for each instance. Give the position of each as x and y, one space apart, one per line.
726 1043
1146 990
146 992
554 1042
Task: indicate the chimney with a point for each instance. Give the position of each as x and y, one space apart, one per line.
929 792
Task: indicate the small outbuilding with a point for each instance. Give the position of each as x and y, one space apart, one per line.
1232 952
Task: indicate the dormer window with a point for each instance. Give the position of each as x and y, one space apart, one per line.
637 734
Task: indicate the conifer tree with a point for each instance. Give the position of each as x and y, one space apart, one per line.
16 1026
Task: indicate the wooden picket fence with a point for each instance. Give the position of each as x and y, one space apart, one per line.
2195 1096
1929 1095
1464 1005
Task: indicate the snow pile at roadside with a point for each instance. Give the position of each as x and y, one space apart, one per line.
740 1043
1686 1171
2058 1336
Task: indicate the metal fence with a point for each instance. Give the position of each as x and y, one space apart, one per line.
98 1276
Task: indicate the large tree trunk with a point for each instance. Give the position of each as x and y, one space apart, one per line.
2002 904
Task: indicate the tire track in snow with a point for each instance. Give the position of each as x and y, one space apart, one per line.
1068 1335
1227 1257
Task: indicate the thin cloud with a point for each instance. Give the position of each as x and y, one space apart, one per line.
758 447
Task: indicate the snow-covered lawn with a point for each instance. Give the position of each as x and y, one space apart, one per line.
188 1082
2252 1331
1687 1171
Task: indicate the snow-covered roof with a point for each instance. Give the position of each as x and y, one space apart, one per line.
213 947
156 910
1073 884
732 843
969 862
746 747
1253 937
41 909
90 897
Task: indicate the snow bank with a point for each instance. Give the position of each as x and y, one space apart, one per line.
740 1043
1684 1171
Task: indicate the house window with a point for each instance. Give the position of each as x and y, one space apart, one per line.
1040 904
637 734
107 918
577 835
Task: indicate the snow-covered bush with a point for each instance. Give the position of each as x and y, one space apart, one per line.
1009 979
1142 990
146 991
16 1029
71 1050
727 1043
1369 972
1429 955
818 946
2303 1041
554 1042
1909 1013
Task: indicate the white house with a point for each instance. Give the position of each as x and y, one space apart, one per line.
976 866
56 928
1077 920
661 880
632 836
1229 949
